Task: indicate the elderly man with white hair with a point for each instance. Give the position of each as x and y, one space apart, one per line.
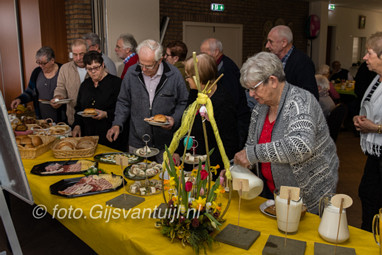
231 83
150 87
125 50
298 67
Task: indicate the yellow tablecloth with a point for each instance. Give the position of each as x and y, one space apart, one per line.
135 234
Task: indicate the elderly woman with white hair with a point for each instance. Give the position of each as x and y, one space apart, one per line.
369 123
325 71
288 138
326 102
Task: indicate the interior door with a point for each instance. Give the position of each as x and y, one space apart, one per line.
231 35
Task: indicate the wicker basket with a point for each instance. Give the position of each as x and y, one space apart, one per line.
76 153
31 153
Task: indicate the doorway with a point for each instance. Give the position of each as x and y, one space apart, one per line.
231 36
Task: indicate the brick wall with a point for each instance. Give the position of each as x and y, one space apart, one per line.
256 16
78 19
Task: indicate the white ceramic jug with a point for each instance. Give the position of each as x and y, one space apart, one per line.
329 221
255 183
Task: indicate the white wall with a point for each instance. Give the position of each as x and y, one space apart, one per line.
346 22
139 18
319 8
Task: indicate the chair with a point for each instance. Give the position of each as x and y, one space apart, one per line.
335 120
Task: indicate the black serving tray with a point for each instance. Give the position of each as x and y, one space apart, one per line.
38 169
99 156
65 183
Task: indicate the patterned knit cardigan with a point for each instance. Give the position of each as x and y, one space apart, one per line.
301 153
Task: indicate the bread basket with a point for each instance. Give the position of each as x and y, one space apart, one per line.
31 153
63 148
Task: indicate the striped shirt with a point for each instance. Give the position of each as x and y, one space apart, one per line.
375 86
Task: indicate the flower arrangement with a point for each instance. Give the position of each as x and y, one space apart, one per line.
195 200
194 206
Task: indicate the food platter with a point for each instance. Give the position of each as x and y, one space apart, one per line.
109 158
142 170
194 159
145 188
61 101
58 187
68 167
265 205
141 152
155 123
81 113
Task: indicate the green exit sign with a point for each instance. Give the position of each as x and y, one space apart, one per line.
217 7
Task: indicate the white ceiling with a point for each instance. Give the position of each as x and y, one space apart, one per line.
369 5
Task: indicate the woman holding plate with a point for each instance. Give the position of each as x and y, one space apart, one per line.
41 87
96 101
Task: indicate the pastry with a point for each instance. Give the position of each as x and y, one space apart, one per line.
271 210
90 111
160 118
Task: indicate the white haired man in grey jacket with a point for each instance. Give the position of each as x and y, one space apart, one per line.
151 87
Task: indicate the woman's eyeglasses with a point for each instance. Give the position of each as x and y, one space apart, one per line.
41 63
91 69
254 87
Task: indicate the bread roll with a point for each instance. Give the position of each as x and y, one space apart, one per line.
21 127
26 140
90 111
36 141
160 118
28 146
66 148
65 145
85 145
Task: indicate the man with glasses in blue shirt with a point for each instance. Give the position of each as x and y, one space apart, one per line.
150 87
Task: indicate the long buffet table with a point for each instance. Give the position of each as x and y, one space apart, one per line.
135 234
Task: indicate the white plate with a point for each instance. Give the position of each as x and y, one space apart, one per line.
266 204
81 113
61 101
159 124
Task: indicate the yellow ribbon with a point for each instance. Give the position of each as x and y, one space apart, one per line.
187 118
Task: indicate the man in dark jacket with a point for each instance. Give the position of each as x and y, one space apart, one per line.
150 87
298 67
231 83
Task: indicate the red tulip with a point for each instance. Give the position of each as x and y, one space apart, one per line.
188 186
203 175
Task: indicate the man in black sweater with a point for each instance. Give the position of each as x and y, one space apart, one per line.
298 67
231 82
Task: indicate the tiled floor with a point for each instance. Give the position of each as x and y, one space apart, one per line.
47 236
